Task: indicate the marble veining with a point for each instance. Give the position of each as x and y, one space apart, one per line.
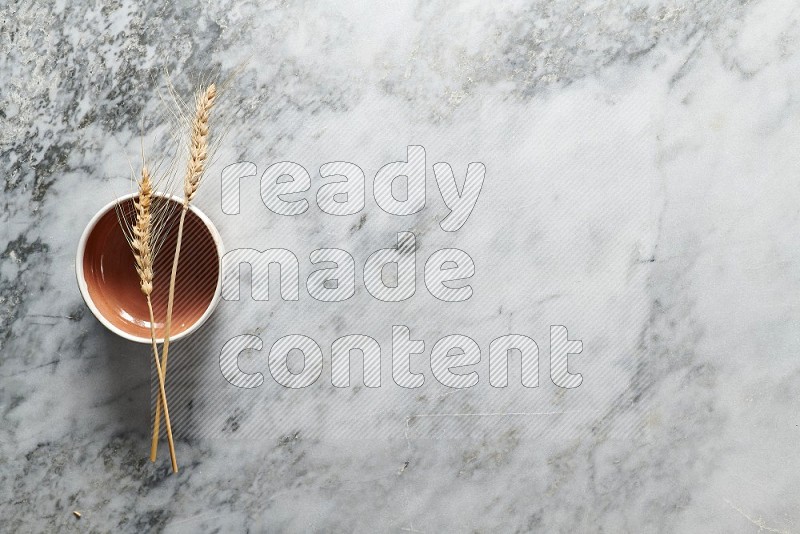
678 121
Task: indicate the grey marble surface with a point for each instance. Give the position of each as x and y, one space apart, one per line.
672 129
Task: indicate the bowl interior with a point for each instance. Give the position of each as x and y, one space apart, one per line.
113 284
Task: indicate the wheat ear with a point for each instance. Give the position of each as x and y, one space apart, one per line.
196 166
142 243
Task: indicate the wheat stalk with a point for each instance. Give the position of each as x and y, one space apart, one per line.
196 166
145 235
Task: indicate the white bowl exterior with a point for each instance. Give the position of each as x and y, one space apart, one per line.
84 287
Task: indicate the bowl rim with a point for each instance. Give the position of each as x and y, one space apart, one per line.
84 287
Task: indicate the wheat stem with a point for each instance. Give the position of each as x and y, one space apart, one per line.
165 352
198 155
162 390
142 237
